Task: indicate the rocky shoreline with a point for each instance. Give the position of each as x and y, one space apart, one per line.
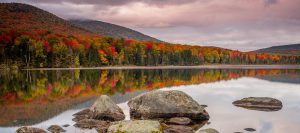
152 112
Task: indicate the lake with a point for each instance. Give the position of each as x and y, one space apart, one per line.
45 97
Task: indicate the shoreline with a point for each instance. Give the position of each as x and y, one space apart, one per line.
177 67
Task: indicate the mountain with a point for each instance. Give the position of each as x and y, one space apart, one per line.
23 17
112 30
292 49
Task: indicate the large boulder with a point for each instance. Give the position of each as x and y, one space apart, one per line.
30 130
259 103
102 109
135 126
105 109
166 104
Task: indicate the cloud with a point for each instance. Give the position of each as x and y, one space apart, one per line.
270 2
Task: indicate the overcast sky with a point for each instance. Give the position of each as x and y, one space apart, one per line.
235 24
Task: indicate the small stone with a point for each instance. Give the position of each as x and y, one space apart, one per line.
91 123
250 129
30 130
55 129
204 106
209 130
180 120
66 125
178 129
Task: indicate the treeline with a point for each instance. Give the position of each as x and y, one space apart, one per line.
45 49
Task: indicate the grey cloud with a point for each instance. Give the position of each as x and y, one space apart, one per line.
270 2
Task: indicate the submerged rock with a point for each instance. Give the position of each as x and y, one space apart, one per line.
135 126
91 123
209 130
55 129
66 125
166 104
30 130
250 129
102 109
179 121
259 103
178 129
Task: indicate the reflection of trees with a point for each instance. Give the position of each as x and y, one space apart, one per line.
55 85
47 93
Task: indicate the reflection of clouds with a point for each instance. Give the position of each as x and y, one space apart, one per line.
227 118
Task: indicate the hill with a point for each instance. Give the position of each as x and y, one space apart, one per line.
112 30
292 49
23 17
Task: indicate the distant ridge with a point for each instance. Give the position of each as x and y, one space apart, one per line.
112 30
24 17
292 49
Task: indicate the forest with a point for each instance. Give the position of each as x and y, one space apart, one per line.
43 48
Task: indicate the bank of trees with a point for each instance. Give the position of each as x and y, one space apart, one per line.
45 49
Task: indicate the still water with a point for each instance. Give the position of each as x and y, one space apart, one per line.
44 98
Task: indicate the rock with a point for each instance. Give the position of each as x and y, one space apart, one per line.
102 109
66 125
105 109
55 129
259 103
209 130
135 126
30 130
249 129
204 106
166 104
178 129
91 123
84 114
180 121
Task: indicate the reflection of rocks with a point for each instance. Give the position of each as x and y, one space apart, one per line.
91 123
135 126
102 109
180 121
250 129
259 103
209 130
55 129
30 130
178 129
166 104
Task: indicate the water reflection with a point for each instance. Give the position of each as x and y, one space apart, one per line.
50 94
227 118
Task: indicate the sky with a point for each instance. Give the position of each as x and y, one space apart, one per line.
243 25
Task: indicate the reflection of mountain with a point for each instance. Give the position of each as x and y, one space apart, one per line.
35 112
48 93
284 78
